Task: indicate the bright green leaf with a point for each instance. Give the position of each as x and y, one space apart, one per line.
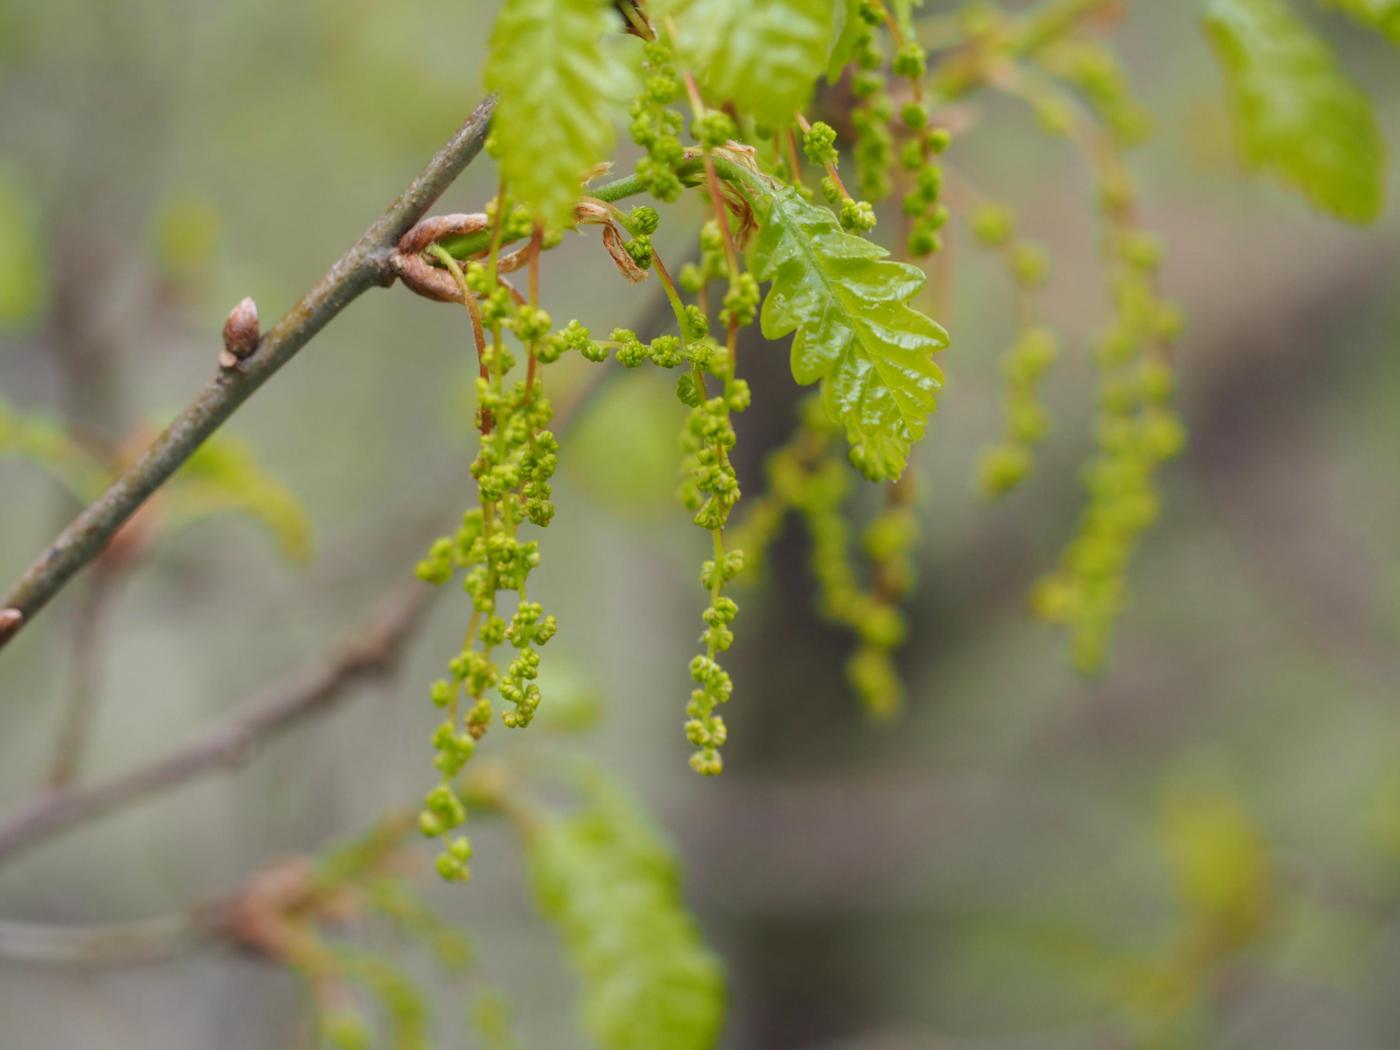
1297 115
1381 15
855 330
557 87
763 55
603 877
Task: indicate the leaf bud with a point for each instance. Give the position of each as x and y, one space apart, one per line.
241 333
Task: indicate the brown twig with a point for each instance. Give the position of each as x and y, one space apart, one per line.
371 650
141 940
266 914
365 265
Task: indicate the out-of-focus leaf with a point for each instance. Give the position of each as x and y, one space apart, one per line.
1041 964
1381 15
763 55
24 275
854 330
904 14
222 476
1296 114
622 449
846 32
1383 818
186 236
1094 68
45 442
605 879
490 1015
558 87
574 703
1223 871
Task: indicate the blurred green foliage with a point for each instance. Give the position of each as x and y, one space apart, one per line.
24 286
1299 116
604 877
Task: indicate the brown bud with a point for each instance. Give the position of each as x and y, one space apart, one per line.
10 621
590 210
626 265
240 332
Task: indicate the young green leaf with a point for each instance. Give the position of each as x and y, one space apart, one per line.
855 330
24 290
1297 115
845 35
604 878
763 55
1381 15
557 87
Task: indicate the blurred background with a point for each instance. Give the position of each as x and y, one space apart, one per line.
1201 847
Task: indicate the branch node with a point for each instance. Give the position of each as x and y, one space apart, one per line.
422 278
436 227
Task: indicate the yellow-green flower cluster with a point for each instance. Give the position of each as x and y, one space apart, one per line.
874 146
710 491
889 542
364 876
1136 431
874 118
819 144
710 486
1006 464
517 458
656 125
1092 67
401 1001
808 477
694 276
922 205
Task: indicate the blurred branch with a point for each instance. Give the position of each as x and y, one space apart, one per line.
89 646
85 351
262 915
371 650
365 265
144 940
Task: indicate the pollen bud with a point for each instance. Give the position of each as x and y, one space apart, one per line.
240 333
10 621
